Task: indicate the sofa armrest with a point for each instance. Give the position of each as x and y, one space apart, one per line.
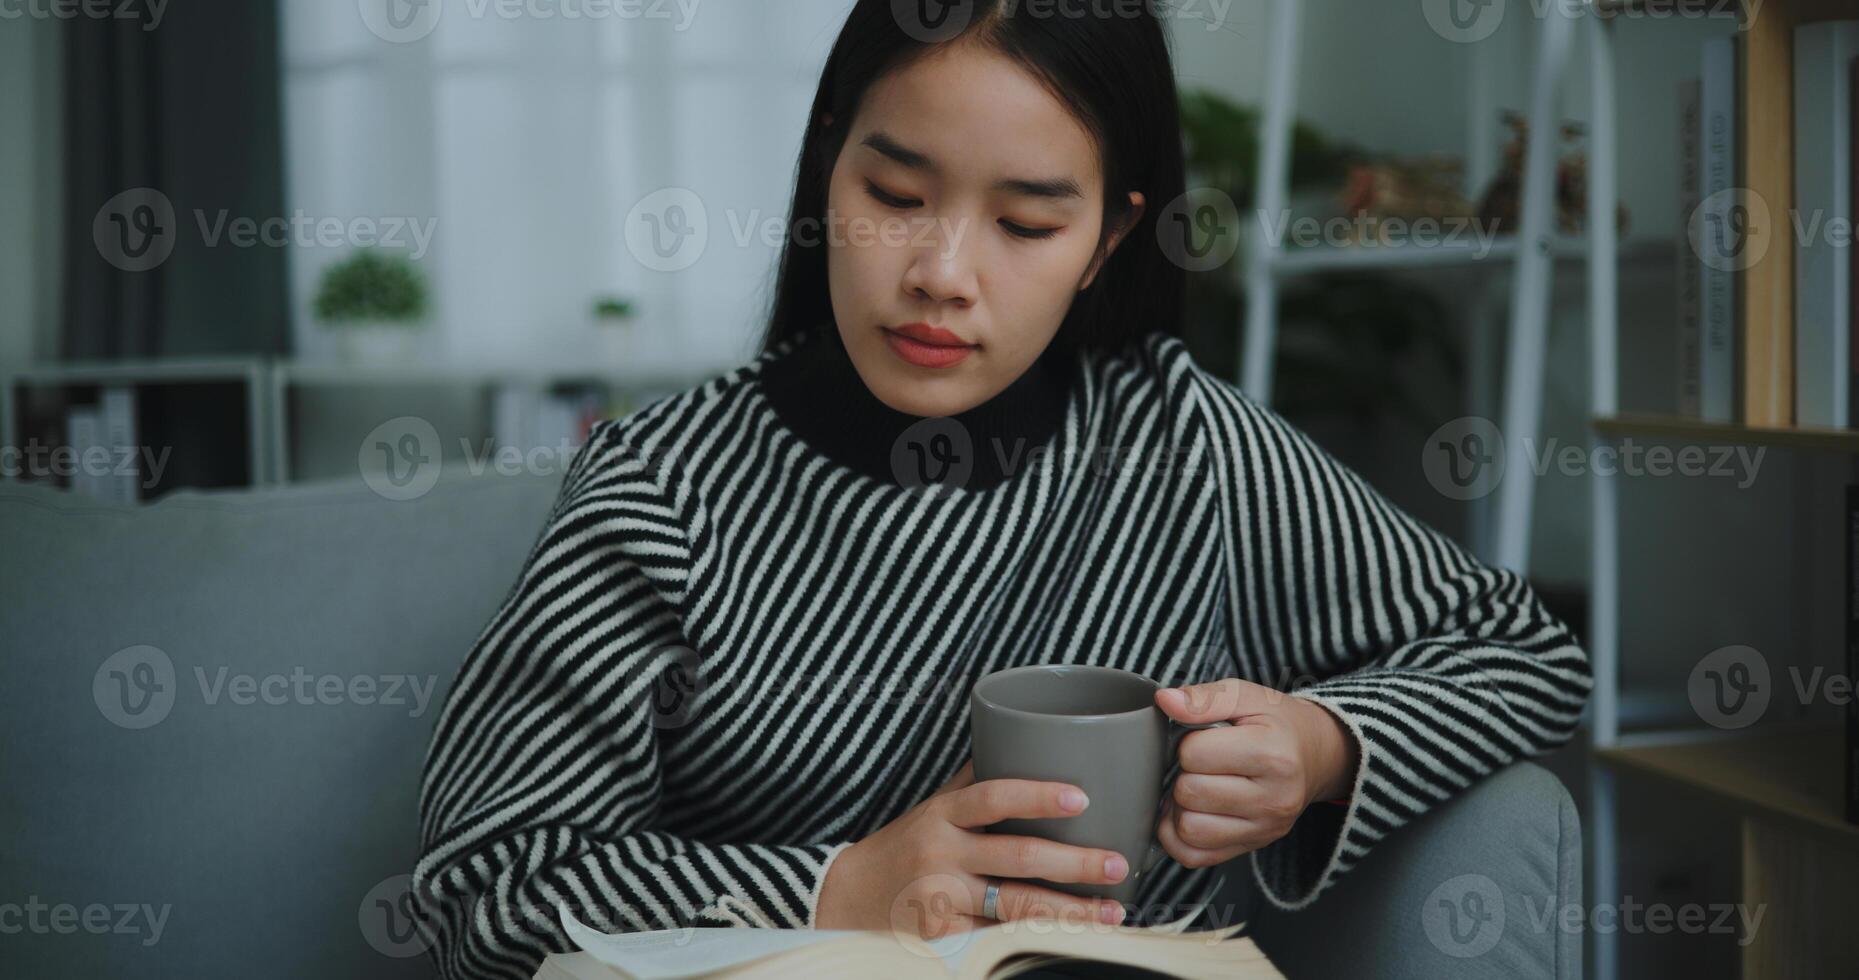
1473 889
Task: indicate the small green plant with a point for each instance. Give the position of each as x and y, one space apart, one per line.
1339 332
1220 142
371 287
612 308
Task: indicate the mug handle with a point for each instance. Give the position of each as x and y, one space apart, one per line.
1176 732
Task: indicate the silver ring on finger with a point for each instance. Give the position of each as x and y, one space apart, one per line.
990 901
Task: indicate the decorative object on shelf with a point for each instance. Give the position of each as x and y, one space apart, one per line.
377 304
1342 329
1498 207
1406 190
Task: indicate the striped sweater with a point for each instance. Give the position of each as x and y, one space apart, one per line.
719 666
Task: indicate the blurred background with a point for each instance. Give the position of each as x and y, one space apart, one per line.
261 243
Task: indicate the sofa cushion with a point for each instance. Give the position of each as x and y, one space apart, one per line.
1475 888
215 713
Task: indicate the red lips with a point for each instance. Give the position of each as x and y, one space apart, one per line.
931 335
927 346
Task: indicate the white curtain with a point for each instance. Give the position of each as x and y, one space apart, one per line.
526 132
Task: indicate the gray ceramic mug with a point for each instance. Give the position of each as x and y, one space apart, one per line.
1096 728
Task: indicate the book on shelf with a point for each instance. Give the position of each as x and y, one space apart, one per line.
1689 267
1852 652
1823 79
117 407
527 417
84 434
103 442
1719 234
995 952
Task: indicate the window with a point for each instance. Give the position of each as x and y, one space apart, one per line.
525 131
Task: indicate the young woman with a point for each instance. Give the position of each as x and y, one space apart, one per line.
730 684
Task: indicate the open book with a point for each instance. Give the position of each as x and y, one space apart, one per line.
996 952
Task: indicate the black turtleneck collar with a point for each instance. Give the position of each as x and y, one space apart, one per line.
817 392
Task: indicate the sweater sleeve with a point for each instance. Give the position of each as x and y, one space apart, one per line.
1442 668
543 781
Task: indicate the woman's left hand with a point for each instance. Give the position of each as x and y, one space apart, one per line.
1241 788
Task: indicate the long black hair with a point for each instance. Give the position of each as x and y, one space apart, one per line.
1109 63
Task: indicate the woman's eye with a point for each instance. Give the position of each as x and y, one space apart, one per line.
887 198
1021 231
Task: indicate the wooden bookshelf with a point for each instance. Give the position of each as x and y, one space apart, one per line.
1791 774
1678 429
1800 858
1765 129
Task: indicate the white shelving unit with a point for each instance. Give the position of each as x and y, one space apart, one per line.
284 376
1530 254
1798 850
267 384
205 370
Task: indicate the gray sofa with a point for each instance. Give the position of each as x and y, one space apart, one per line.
210 747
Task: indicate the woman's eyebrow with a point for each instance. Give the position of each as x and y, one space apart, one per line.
1060 188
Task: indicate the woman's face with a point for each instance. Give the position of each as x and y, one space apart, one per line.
968 202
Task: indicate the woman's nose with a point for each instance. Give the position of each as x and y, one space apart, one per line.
941 270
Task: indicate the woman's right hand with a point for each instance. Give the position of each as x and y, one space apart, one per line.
927 871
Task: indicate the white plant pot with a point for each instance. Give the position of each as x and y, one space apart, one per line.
377 341
619 344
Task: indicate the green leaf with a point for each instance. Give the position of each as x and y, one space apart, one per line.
371 286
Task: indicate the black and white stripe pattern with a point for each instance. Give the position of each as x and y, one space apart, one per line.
831 625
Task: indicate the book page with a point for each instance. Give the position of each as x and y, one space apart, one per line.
675 954
670 954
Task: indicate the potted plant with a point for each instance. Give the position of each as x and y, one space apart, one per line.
1341 333
376 302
